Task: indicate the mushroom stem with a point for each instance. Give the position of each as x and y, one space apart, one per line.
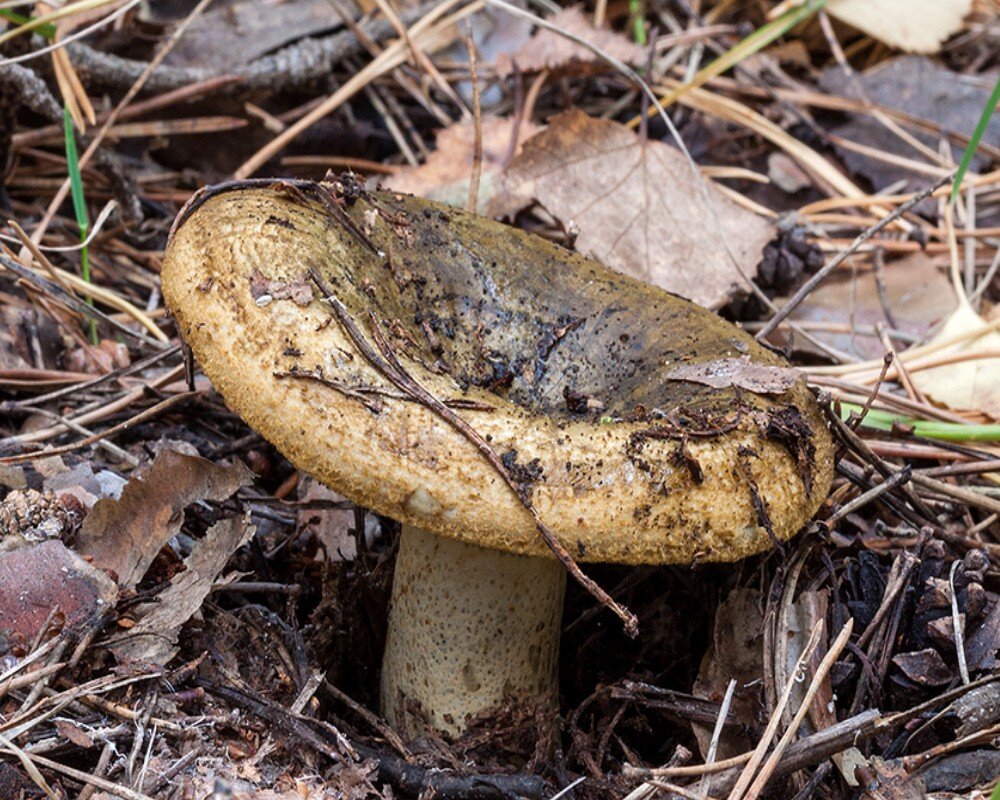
469 628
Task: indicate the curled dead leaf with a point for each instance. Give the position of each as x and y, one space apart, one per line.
153 638
123 536
972 384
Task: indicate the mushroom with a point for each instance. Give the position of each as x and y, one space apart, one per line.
300 299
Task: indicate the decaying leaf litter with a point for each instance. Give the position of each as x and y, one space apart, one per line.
182 615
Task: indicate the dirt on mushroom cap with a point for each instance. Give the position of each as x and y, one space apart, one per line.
561 361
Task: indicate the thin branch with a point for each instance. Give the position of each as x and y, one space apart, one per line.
830 266
389 366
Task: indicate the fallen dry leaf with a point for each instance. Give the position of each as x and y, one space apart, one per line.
124 535
801 618
726 372
917 26
238 32
547 50
446 173
332 526
639 206
966 385
918 296
735 653
74 733
154 637
921 87
36 579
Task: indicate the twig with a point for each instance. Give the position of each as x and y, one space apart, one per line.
142 416
956 622
97 412
864 499
376 722
389 366
821 672
807 288
390 58
7 406
82 777
901 370
757 757
806 752
713 746
884 469
857 420
292 67
477 141
103 760
898 580
63 297
99 137
8 747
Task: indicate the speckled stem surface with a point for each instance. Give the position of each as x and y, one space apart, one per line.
469 628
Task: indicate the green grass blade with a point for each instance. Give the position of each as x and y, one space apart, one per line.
879 420
79 203
970 151
46 29
635 12
995 794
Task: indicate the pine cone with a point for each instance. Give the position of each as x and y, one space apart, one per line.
30 516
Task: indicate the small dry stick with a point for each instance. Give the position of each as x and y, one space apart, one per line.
8 747
477 116
898 580
142 416
956 623
821 672
388 365
83 777
772 726
806 752
70 301
89 790
373 720
680 791
864 499
901 370
863 237
713 747
859 418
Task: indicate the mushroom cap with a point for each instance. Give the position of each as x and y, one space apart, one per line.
560 363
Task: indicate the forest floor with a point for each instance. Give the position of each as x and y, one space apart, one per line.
184 615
